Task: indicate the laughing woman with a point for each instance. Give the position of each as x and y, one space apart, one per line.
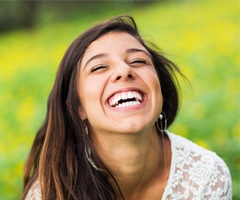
105 137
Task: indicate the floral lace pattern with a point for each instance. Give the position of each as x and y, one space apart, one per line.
195 174
34 193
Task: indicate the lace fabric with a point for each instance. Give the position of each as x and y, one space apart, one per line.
195 174
34 193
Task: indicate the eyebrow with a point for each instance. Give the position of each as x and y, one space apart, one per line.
132 50
101 55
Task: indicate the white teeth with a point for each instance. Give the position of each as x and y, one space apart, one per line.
127 104
136 98
129 95
124 95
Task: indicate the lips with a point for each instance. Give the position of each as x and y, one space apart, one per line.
125 99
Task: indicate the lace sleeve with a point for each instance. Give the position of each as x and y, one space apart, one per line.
196 173
34 193
219 184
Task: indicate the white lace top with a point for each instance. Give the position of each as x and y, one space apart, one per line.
195 174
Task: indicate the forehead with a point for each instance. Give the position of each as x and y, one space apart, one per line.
111 42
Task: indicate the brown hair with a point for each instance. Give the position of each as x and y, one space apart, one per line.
57 158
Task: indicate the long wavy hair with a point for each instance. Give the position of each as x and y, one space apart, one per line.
57 158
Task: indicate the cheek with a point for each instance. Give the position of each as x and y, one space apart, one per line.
156 86
90 95
152 78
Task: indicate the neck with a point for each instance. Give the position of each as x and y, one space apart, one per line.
135 160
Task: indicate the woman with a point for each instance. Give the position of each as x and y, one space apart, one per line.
105 137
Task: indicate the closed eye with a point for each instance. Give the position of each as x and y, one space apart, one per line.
98 67
139 61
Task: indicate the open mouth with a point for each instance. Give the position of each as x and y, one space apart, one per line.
125 99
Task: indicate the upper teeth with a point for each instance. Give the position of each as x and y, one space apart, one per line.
134 98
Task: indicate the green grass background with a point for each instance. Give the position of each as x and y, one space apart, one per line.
202 37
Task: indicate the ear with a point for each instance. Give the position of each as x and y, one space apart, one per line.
83 115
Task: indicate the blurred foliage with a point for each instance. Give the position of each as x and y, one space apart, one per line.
202 37
17 14
27 14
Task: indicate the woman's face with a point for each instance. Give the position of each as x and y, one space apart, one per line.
118 86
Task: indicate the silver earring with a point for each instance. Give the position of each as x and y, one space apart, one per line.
162 122
162 126
88 155
86 129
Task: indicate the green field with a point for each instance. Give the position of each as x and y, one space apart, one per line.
203 38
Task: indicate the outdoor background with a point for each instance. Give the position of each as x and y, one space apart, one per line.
202 37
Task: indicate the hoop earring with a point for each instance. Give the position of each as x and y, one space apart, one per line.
88 155
162 122
162 126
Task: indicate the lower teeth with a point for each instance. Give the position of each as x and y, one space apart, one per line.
127 104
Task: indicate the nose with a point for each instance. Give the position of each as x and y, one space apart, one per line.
123 72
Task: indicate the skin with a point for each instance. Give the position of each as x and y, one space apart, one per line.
126 137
